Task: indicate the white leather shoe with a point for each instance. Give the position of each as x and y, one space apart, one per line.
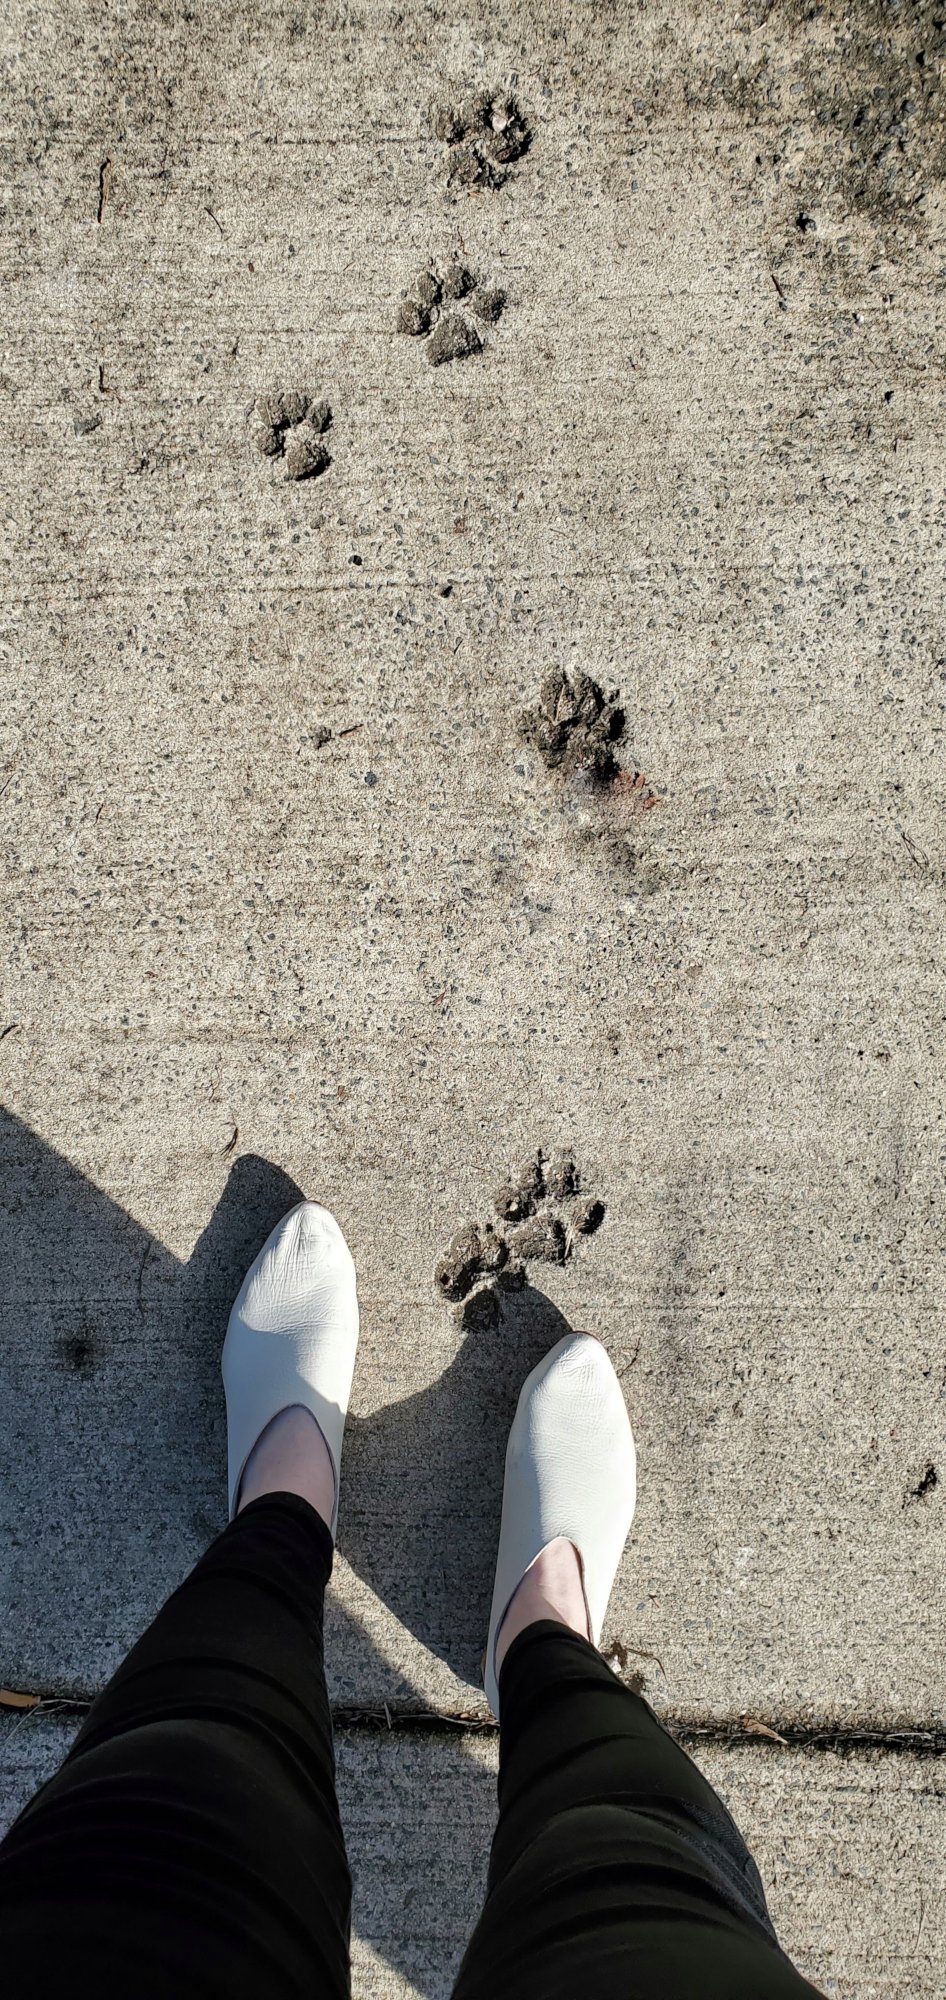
570 1471
292 1338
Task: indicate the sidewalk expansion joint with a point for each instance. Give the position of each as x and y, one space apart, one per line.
400 1718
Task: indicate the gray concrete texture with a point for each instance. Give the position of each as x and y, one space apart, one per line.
699 456
852 1852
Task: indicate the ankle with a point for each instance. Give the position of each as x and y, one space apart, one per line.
291 1456
552 1588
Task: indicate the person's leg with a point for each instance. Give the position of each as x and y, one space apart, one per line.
615 1868
191 1841
614 1865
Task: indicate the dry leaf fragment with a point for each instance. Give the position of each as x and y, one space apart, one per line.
753 1728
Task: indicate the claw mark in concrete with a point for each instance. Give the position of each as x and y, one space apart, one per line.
484 135
149 1246
544 1202
291 426
929 1478
449 310
105 187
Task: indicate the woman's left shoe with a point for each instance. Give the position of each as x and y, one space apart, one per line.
292 1338
571 1476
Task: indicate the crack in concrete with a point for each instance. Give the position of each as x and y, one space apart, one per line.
390 1718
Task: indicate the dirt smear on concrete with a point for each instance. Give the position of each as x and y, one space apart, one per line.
845 104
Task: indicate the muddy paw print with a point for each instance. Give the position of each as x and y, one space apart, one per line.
485 135
450 310
292 426
543 1210
575 727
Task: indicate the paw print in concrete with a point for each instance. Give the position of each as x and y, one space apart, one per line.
542 1210
576 728
485 135
574 725
292 426
450 311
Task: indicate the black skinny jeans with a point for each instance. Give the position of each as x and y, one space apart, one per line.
191 1843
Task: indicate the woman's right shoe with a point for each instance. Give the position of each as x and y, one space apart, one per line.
570 1472
292 1338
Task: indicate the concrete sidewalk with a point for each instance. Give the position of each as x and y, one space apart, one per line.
850 1848
290 904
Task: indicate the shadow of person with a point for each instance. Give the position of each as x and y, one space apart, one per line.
423 1478
116 1456
256 1196
111 1363
115 1461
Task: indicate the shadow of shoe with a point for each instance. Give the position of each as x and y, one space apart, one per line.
423 1478
257 1195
